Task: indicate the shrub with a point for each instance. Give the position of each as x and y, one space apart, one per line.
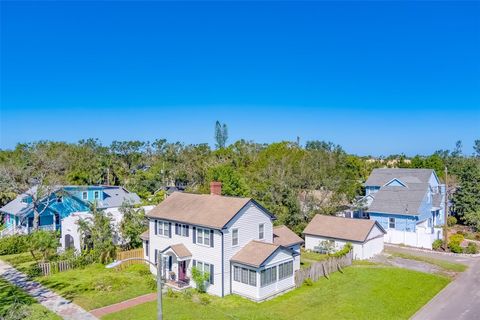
308 282
472 248
455 247
451 221
437 244
346 249
34 271
17 243
171 293
188 294
456 238
200 278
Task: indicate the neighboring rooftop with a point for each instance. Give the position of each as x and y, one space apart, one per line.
116 196
283 236
340 228
145 235
255 253
200 209
399 200
381 176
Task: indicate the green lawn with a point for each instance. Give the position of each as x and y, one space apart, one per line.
15 301
361 292
93 286
446 265
309 257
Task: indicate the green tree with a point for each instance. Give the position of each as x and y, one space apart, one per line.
132 225
233 183
45 242
466 199
476 148
97 235
221 135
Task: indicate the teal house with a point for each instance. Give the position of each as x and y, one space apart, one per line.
61 202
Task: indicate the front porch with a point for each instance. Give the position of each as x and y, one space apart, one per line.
176 261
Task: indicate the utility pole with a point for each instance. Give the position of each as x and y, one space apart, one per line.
445 229
159 287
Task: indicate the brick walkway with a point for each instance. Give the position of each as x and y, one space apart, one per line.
49 299
100 312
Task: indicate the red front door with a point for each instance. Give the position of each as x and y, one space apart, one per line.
182 266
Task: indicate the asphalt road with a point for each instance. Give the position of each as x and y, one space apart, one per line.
460 300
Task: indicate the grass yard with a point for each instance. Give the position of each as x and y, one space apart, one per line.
446 265
93 286
15 301
309 257
363 291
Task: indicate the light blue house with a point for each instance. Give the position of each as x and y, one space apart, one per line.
408 204
59 203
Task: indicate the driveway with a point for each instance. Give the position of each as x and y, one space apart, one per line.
460 300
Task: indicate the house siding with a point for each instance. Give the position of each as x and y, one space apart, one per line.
211 255
246 221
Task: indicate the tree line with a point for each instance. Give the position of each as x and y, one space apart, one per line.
293 181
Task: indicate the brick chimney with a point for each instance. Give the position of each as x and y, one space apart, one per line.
216 188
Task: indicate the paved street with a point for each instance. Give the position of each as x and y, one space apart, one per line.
47 298
460 300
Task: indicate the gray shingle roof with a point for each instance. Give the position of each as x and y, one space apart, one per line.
381 176
399 200
116 196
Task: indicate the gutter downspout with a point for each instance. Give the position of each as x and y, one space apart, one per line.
223 266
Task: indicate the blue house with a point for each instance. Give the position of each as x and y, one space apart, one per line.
59 203
408 204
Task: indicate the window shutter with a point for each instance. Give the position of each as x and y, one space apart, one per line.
194 263
156 256
176 229
188 227
211 274
194 235
169 229
170 262
211 238
156 229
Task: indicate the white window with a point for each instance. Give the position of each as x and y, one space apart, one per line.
285 270
391 223
96 195
203 236
181 229
261 229
245 276
163 228
234 237
268 276
84 195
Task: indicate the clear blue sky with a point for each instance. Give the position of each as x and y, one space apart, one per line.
375 77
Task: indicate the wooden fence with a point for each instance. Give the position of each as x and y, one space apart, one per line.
47 268
135 253
322 268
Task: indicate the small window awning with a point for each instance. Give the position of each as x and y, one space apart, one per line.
179 250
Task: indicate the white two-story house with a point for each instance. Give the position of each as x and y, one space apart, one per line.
231 238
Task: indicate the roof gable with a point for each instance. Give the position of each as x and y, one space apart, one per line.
381 176
395 183
201 209
255 253
356 230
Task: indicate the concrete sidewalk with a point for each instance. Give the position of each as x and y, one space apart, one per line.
49 299
100 312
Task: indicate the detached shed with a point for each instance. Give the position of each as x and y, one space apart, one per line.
365 235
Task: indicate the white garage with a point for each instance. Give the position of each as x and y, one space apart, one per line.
329 233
